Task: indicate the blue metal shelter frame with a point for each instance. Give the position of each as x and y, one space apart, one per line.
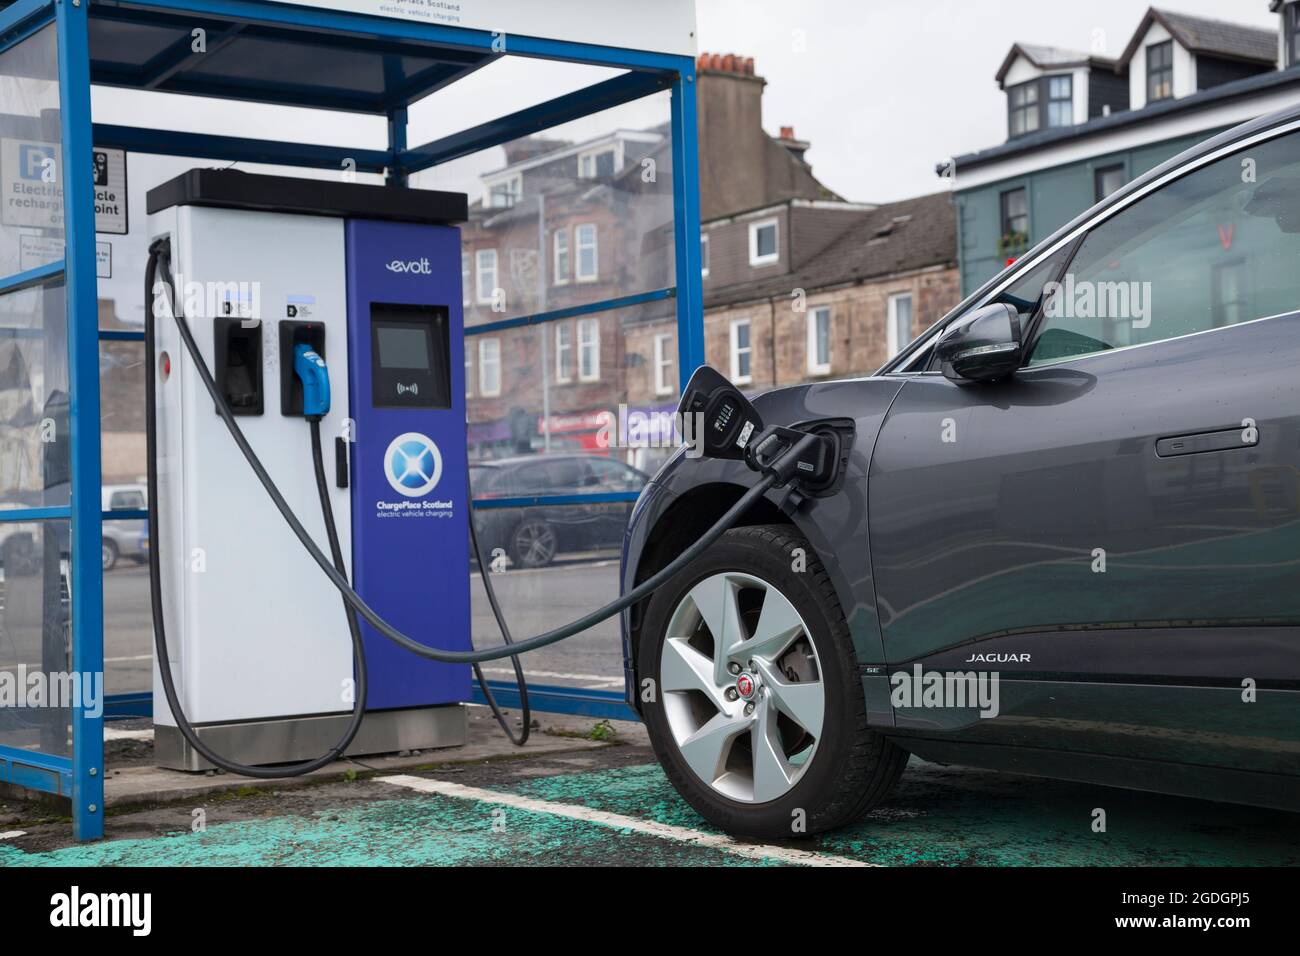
416 59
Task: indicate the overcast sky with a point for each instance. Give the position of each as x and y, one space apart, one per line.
884 89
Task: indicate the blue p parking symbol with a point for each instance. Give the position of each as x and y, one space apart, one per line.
34 160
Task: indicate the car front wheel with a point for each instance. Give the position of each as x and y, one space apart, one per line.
108 555
759 718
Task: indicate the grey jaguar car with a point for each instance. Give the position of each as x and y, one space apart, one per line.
1064 537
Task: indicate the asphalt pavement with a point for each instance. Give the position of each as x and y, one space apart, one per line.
533 601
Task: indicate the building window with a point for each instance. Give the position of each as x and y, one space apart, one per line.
704 256
469 372
1022 101
1107 180
486 261
1230 300
466 278
899 332
1060 101
589 349
664 384
585 237
561 256
1160 71
819 341
1044 103
563 352
489 367
597 164
1015 220
763 247
742 353
507 192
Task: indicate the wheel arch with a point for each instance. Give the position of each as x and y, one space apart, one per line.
682 522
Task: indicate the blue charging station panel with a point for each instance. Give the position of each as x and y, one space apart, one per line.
408 464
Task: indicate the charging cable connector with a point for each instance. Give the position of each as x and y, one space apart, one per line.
315 375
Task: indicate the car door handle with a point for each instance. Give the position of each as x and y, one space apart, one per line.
1224 439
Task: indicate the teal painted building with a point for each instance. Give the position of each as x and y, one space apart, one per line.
1080 126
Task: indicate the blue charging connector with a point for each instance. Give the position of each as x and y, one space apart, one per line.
315 377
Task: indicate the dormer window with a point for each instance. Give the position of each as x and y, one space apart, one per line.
1022 101
506 192
1060 100
1044 103
597 164
1160 71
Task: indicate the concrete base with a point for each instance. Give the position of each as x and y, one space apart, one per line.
300 738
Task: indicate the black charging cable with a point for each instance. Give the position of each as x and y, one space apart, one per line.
160 252
526 714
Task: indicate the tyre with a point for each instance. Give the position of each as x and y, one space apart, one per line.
107 555
533 544
759 719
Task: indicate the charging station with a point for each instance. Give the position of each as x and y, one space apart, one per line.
264 668
258 644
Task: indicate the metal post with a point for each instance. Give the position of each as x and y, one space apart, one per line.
83 375
545 329
686 224
396 145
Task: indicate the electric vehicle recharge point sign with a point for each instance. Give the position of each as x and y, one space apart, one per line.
33 188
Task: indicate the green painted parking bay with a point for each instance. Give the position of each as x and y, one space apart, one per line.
631 815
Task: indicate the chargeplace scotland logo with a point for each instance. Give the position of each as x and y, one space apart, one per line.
413 464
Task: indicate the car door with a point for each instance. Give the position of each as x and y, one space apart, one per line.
1114 530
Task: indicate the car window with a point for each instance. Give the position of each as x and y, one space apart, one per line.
126 501
613 475
1214 248
567 474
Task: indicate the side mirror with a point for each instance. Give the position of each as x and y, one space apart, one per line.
728 421
983 345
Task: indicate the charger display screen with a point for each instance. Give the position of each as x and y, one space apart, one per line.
410 355
403 345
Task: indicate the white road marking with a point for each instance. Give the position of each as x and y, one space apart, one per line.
603 679
10 834
617 821
113 733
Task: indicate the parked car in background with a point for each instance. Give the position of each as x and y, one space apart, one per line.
532 536
122 536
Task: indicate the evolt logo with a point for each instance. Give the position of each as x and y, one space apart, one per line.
419 267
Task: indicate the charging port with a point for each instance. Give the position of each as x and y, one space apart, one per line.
293 334
238 347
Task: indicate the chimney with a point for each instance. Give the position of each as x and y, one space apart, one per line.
730 98
797 147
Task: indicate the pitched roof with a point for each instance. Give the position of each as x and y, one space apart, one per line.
1202 35
1261 83
1050 58
894 237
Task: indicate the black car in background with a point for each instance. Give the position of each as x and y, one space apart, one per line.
532 536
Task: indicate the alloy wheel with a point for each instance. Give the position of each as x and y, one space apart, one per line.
742 687
535 544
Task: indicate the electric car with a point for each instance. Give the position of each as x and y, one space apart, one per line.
1063 537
